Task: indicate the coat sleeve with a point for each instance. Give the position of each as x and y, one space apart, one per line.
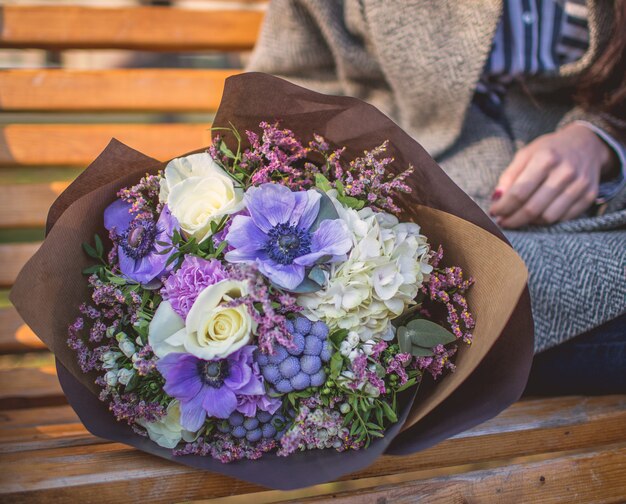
292 45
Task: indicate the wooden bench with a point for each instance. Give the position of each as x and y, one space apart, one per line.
569 449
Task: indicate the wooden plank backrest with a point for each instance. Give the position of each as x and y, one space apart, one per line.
224 27
140 28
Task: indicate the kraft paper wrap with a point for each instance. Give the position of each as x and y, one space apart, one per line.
490 375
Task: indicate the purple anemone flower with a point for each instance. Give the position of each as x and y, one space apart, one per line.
209 387
136 236
278 234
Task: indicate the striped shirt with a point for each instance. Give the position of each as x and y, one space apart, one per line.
537 37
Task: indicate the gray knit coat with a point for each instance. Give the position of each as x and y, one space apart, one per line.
419 61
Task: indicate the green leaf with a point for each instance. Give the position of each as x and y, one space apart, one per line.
339 187
132 383
389 412
407 385
427 334
379 416
338 336
352 202
91 252
327 211
226 151
317 275
321 182
336 364
404 341
99 246
418 351
92 269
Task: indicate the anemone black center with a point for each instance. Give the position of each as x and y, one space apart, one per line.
286 242
139 238
213 373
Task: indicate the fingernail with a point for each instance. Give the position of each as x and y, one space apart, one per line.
497 194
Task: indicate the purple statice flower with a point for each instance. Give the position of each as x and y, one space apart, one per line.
209 387
137 237
195 274
279 237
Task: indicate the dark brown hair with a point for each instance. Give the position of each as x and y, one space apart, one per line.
603 87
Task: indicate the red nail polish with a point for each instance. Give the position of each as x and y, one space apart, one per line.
497 194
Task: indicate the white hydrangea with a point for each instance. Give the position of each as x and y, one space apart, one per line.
380 278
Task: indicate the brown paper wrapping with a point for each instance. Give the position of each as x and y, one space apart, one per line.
490 375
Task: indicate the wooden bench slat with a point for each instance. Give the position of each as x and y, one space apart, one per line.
594 476
12 257
80 144
559 424
141 28
159 90
15 335
26 205
28 387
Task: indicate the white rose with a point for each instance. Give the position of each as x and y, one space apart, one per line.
167 431
179 169
198 192
211 331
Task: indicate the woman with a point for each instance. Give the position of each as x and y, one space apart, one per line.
521 102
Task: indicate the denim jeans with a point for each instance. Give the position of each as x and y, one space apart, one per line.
593 363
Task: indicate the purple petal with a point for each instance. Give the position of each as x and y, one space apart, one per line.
245 255
244 233
306 210
180 371
254 386
331 238
117 215
288 276
269 205
192 413
219 402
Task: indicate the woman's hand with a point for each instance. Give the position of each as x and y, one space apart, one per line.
553 178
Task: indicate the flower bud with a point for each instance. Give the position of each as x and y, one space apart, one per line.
109 359
344 408
127 347
121 336
124 375
111 378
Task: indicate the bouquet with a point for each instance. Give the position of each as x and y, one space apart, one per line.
276 300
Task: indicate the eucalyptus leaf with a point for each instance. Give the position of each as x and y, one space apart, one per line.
417 351
427 334
404 341
327 212
317 275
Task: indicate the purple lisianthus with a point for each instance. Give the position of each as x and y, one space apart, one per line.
209 388
248 404
278 234
137 238
195 274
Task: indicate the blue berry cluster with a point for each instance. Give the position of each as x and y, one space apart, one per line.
262 425
291 369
